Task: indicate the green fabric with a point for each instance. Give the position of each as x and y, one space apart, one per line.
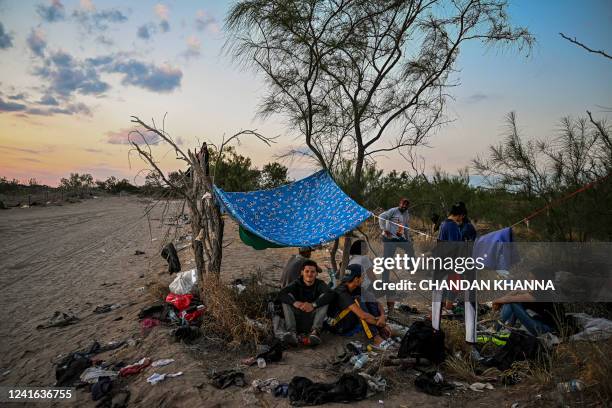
255 241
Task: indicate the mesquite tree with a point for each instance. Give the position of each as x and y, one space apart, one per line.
358 78
195 186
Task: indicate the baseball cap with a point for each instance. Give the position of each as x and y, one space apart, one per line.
352 271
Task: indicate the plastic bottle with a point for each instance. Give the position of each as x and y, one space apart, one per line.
261 363
570 386
361 360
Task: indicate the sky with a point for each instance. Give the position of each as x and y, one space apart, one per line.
73 72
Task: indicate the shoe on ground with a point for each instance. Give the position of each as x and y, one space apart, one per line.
314 338
290 339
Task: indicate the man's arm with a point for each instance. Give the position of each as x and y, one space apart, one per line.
383 218
362 315
287 294
515 297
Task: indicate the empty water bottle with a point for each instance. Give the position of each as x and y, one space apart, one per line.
570 386
361 360
261 363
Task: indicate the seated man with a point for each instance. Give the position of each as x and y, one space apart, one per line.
546 316
305 303
294 266
351 314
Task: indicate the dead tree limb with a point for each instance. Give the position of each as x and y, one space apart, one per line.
578 43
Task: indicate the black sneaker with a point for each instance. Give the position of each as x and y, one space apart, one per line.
290 339
314 338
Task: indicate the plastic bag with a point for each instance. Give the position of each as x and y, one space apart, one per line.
184 283
181 302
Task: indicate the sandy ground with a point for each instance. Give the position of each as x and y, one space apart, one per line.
75 257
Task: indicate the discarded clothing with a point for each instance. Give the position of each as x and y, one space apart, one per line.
59 319
162 362
274 354
267 385
180 302
97 348
70 368
375 384
348 388
186 333
225 378
147 324
594 329
519 346
135 368
422 341
101 388
155 377
432 385
480 387
92 374
170 255
106 308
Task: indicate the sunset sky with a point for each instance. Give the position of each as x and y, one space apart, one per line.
72 72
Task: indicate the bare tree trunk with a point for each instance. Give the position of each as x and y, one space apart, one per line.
332 255
346 248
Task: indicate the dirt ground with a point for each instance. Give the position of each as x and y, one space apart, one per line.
74 257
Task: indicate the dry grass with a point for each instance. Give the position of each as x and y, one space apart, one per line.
227 312
454 336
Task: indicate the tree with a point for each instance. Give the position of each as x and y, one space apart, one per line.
358 78
234 172
575 164
196 188
273 175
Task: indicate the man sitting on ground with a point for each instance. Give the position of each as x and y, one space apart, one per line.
294 266
352 314
305 302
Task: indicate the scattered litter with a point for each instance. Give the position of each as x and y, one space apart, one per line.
180 302
59 319
101 388
153 239
349 387
5 373
135 368
549 340
594 329
184 282
460 385
170 255
155 378
138 252
281 391
268 385
515 405
92 374
375 384
261 363
225 378
140 290
162 362
147 324
106 308
480 387
427 383
570 386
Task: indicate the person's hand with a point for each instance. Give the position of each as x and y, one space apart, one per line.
298 305
381 321
307 307
399 233
496 306
387 234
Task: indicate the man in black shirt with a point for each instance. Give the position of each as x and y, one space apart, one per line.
305 303
348 314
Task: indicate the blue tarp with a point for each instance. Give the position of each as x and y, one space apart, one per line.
307 212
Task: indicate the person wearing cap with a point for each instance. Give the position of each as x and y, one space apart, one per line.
304 302
394 226
294 266
351 314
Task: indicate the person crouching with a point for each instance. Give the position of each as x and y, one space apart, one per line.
305 305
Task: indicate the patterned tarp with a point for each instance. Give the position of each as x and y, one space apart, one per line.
307 212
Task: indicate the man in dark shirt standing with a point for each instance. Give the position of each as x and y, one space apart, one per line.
304 302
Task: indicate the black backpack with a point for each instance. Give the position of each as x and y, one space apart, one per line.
422 341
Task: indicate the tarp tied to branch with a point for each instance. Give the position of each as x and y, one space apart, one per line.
307 212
